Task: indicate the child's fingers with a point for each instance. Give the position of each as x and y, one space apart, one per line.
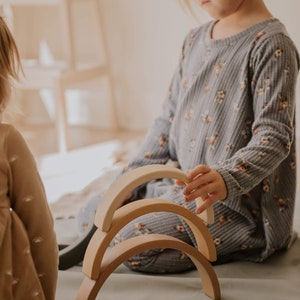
198 171
199 184
211 184
179 182
199 191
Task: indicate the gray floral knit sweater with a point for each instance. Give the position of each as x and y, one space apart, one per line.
231 106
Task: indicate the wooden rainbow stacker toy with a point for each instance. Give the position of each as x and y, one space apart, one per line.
100 260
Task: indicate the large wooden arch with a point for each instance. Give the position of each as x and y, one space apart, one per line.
115 256
101 240
99 262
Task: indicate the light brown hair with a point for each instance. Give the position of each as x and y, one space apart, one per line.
10 63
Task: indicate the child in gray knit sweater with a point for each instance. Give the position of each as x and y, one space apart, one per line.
229 123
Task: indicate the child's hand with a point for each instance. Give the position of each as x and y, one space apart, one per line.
206 183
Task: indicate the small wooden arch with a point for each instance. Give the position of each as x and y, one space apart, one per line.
101 240
132 179
123 251
99 262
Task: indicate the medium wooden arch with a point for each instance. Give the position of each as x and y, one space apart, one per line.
99 262
123 251
132 179
101 240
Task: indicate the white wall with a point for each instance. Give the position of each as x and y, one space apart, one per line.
144 38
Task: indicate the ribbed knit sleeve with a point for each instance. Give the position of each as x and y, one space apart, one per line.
273 72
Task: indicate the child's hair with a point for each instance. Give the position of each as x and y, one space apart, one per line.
10 63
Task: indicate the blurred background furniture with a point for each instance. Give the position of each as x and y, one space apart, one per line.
66 72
